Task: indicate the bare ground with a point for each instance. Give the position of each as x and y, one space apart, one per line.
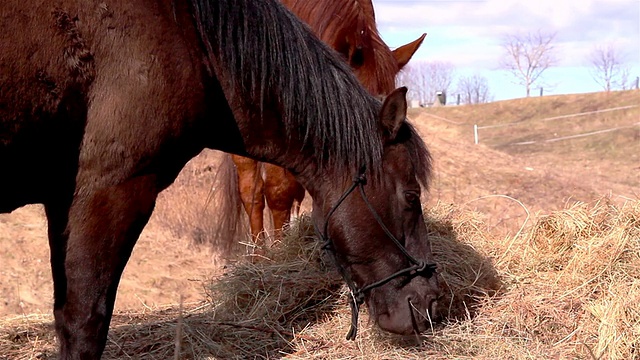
165 264
509 188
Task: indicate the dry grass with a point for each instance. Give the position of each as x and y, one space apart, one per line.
567 287
475 177
545 177
185 207
605 157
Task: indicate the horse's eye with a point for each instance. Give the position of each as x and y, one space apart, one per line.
412 198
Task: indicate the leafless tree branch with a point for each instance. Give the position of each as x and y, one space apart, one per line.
424 79
528 56
474 89
608 67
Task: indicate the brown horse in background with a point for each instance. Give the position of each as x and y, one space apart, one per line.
349 27
103 103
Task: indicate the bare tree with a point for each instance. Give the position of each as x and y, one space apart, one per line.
528 56
424 79
410 78
608 68
474 89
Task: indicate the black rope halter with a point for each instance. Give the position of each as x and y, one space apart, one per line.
418 267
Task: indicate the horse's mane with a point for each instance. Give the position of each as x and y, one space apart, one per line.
418 152
273 60
350 27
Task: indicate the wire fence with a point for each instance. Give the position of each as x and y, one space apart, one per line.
559 117
575 136
476 128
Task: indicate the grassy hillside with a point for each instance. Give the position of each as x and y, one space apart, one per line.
608 160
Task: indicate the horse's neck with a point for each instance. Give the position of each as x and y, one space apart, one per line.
261 131
265 141
349 27
284 88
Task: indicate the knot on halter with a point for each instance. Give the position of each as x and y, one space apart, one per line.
361 178
424 266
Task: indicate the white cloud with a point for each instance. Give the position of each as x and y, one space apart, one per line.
470 31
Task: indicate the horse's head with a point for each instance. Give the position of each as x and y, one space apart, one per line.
376 230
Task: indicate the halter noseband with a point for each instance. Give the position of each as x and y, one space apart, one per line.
419 267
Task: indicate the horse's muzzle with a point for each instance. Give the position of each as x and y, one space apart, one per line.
412 316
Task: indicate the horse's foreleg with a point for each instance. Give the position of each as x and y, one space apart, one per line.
281 190
57 216
251 188
103 227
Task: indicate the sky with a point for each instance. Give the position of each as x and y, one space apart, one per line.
468 34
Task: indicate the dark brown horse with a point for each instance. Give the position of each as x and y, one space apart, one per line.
349 27
102 104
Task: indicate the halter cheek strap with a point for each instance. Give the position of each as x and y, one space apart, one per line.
419 267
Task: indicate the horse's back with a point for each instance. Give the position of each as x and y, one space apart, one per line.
34 80
35 88
101 87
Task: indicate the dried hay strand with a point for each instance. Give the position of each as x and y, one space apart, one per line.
27 337
283 292
253 311
567 287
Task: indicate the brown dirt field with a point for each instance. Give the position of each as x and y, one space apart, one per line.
509 188
164 265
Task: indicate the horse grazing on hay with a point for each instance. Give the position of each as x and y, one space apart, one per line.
349 27
102 104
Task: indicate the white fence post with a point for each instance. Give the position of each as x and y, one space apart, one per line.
475 133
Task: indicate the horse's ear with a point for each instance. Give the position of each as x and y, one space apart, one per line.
404 53
394 112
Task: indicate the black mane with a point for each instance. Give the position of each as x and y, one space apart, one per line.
273 58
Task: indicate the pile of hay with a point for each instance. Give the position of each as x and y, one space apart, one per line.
296 297
573 290
567 287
